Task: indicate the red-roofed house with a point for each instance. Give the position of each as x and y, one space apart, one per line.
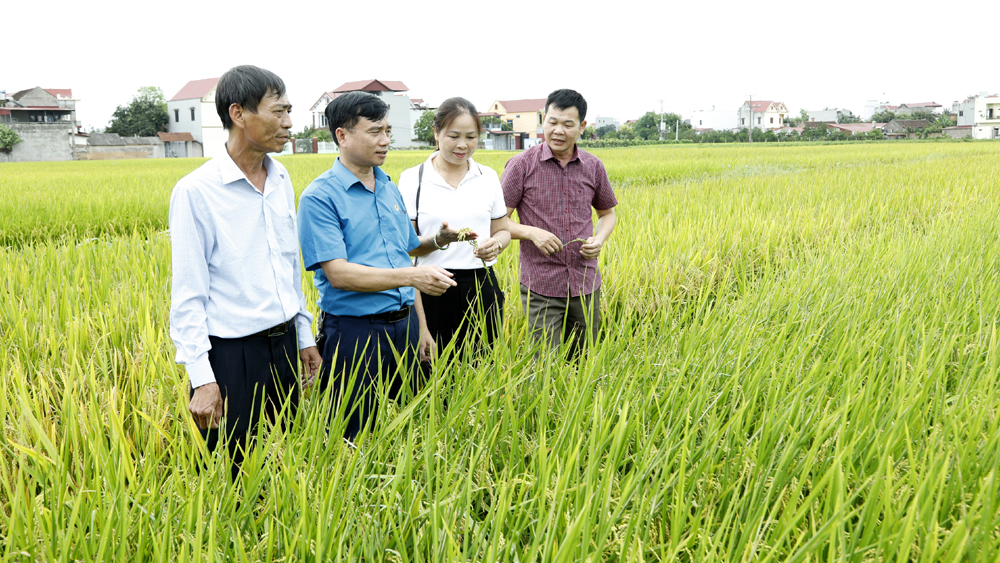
192 110
402 114
524 116
762 114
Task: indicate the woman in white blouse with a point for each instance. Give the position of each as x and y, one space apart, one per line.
447 193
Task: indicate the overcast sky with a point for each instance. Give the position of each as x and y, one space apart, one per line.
622 55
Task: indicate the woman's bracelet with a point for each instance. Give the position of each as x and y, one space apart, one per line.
434 239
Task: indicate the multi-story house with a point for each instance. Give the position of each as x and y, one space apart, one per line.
763 114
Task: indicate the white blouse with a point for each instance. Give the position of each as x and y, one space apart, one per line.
476 201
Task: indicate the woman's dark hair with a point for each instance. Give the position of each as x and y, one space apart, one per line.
565 99
347 109
451 109
245 85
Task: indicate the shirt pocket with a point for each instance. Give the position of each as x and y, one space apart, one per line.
285 232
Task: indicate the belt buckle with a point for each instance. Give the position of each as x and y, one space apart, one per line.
278 330
401 314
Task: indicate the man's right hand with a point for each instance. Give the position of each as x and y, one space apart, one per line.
432 280
206 406
547 242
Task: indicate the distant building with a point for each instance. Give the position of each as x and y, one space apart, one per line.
601 121
393 93
907 109
829 115
903 128
524 116
871 108
762 115
981 114
853 128
45 120
704 120
192 110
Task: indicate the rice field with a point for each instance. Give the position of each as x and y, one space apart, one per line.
799 362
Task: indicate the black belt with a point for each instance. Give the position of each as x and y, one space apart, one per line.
390 317
276 330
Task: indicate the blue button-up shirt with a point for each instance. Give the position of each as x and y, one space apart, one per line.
340 218
235 260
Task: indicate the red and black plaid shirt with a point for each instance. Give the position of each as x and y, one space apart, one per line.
559 200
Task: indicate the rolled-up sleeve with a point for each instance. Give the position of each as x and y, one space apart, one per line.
189 250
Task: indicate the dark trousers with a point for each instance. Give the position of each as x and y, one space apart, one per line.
473 308
361 356
254 373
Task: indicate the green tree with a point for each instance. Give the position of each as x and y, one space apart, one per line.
884 116
424 129
626 132
491 120
589 133
848 118
318 133
145 116
8 138
604 130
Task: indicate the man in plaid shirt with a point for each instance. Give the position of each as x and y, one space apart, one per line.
553 187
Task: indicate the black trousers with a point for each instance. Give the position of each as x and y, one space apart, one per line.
472 309
254 373
359 355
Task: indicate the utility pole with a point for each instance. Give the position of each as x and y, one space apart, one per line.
662 130
750 107
677 130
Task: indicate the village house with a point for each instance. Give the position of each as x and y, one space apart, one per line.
393 92
978 117
907 109
524 116
45 120
712 120
192 110
762 115
904 128
829 115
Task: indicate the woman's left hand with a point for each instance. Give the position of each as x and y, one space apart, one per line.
489 249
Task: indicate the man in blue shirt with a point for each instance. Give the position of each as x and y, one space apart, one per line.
355 235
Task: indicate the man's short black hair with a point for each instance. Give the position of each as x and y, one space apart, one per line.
565 99
245 85
347 109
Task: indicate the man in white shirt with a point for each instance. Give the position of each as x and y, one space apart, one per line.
238 316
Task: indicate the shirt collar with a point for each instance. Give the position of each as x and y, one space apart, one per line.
474 167
547 152
347 179
232 173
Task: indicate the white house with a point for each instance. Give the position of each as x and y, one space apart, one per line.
986 116
393 92
762 114
705 119
192 110
601 121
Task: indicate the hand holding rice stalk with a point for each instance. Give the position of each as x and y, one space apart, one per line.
465 231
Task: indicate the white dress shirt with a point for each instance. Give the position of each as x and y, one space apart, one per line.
235 259
475 203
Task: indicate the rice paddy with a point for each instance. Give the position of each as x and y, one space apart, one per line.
798 362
